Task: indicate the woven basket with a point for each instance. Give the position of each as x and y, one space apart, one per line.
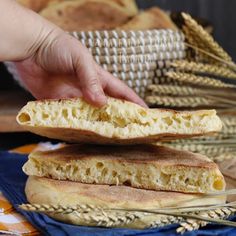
139 58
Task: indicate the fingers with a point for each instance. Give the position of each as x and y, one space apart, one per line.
65 91
88 79
116 88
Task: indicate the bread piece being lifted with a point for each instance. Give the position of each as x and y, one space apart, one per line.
67 193
119 122
141 166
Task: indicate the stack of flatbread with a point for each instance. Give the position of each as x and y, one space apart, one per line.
77 15
114 163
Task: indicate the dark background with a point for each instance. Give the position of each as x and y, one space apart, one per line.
220 13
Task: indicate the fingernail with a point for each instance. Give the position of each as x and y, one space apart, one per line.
100 99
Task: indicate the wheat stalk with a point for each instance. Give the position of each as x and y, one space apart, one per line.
224 156
177 90
190 224
208 150
213 59
198 80
184 101
210 141
89 213
229 130
226 96
191 39
228 120
205 37
106 217
165 221
172 90
204 68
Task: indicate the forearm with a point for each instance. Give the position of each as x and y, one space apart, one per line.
22 32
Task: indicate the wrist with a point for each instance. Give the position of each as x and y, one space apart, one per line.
22 31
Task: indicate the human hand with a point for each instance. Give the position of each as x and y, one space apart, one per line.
59 71
53 64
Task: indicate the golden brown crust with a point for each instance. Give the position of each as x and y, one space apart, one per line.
36 5
148 154
66 193
140 166
152 18
109 196
87 15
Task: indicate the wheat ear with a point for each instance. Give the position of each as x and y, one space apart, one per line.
205 37
177 90
190 224
204 68
185 101
89 213
209 150
108 219
198 80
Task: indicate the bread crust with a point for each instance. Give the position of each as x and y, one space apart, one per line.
141 166
66 193
119 122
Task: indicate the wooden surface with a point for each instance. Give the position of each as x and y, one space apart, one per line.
10 104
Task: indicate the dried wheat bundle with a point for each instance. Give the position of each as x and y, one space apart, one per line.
177 90
198 55
191 224
166 80
225 156
191 38
229 130
205 37
208 150
228 120
170 46
198 80
140 84
180 102
204 68
208 141
172 90
140 58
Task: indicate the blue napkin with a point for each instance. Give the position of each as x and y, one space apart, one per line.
12 183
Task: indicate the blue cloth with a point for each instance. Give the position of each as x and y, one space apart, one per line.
12 182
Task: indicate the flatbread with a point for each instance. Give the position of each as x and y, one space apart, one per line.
36 5
152 18
141 166
90 14
66 193
119 122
